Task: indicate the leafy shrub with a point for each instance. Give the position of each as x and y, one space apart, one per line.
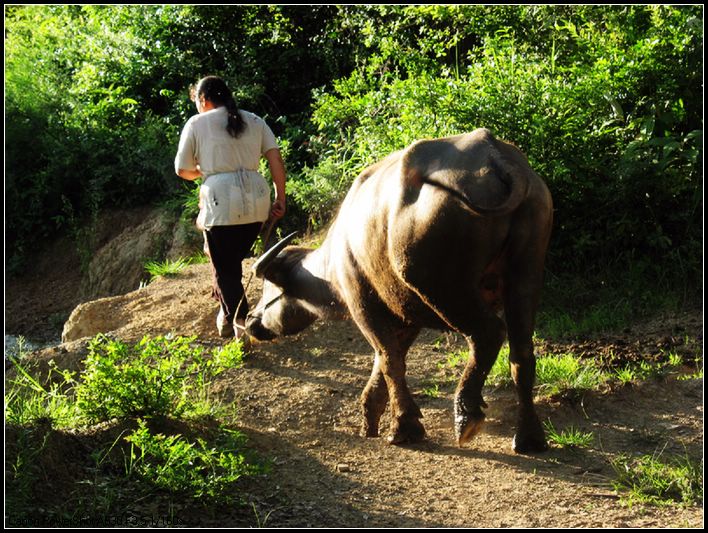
204 470
603 101
155 377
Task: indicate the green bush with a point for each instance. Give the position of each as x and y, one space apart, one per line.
96 97
204 470
604 106
605 100
156 377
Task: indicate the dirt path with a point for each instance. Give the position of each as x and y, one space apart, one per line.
298 404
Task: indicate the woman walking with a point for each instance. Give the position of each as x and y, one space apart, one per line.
224 145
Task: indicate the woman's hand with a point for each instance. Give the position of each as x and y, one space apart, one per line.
277 211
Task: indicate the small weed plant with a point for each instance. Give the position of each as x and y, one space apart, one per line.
177 465
431 390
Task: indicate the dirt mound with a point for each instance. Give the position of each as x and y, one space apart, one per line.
181 305
111 262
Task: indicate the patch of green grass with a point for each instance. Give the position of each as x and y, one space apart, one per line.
559 373
28 402
653 480
630 374
626 375
166 268
554 373
570 437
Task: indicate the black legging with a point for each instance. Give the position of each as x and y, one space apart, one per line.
228 246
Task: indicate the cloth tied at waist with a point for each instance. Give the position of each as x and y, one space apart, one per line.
230 198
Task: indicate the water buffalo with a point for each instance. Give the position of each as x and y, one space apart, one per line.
447 234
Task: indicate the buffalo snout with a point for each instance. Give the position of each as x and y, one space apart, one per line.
256 329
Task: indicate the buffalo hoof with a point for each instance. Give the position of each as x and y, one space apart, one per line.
469 419
369 431
528 443
467 428
407 432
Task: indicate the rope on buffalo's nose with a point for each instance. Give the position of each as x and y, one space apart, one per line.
268 225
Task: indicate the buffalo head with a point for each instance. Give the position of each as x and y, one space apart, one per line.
288 289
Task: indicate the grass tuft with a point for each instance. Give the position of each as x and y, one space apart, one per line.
570 437
555 374
650 479
167 268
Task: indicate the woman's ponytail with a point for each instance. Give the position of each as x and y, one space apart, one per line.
214 89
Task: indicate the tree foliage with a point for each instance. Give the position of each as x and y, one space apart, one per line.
605 100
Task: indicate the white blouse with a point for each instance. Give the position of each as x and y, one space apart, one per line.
233 191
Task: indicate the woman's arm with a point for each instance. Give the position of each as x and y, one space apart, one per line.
277 171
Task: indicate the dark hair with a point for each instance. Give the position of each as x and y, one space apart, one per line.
215 90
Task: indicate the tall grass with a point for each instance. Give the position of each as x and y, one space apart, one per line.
166 268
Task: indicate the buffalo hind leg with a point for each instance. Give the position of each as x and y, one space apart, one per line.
529 435
485 343
520 317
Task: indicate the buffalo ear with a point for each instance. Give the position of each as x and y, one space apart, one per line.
265 261
277 271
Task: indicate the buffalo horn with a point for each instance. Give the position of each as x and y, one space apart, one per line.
267 258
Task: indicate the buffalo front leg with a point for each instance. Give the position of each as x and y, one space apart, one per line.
388 380
405 426
374 399
484 348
